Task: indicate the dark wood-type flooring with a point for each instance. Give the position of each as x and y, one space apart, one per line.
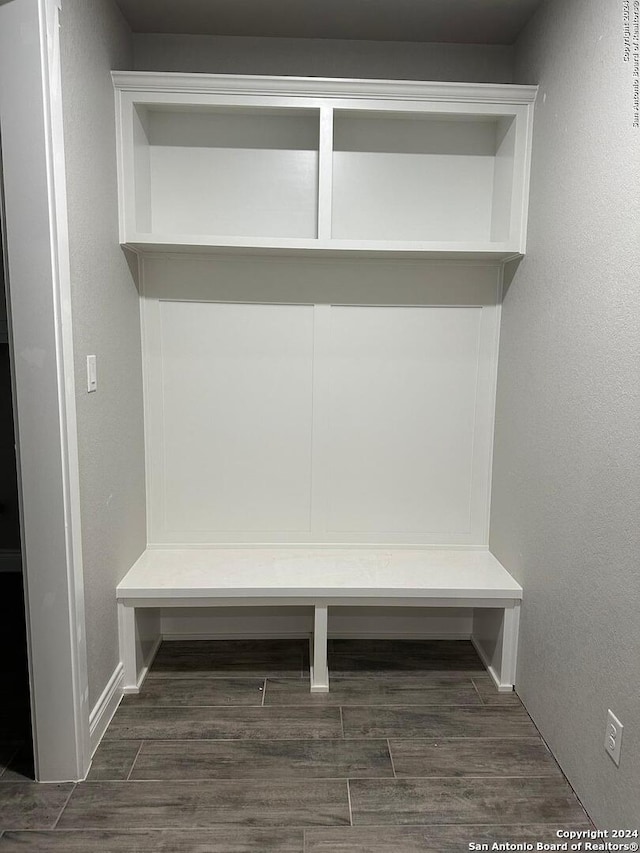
226 751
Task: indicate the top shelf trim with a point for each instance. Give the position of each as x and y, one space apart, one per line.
245 84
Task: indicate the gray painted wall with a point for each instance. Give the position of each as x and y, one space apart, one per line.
566 485
106 321
323 58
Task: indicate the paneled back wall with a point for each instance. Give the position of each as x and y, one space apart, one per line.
298 400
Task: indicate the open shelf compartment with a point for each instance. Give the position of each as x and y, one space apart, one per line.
433 177
225 171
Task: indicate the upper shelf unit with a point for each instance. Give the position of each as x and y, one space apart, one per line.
295 165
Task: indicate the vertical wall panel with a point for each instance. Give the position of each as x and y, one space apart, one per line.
236 416
403 405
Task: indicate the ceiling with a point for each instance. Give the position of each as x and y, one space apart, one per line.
462 21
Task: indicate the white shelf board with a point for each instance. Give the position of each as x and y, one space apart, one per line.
203 244
317 573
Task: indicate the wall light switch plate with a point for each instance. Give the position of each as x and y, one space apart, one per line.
92 375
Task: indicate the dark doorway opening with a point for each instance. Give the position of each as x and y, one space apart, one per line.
16 742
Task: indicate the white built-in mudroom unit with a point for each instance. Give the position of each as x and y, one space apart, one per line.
304 350
320 274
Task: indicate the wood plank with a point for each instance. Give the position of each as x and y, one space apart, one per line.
222 839
419 722
113 760
176 805
224 723
442 801
427 839
31 805
473 757
185 659
391 658
362 691
273 759
199 691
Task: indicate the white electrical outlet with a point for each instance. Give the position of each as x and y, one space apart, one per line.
613 737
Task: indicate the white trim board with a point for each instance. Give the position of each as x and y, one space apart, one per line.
39 299
106 706
326 87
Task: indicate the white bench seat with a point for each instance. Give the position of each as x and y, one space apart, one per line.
321 578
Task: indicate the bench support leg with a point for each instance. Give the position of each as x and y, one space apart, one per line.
140 634
495 636
510 630
127 635
319 668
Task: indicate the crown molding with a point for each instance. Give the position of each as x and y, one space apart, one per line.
323 87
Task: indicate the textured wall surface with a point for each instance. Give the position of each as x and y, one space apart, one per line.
566 487
323 58
106 321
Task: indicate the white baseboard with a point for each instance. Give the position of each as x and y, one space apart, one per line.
397 635
105 707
